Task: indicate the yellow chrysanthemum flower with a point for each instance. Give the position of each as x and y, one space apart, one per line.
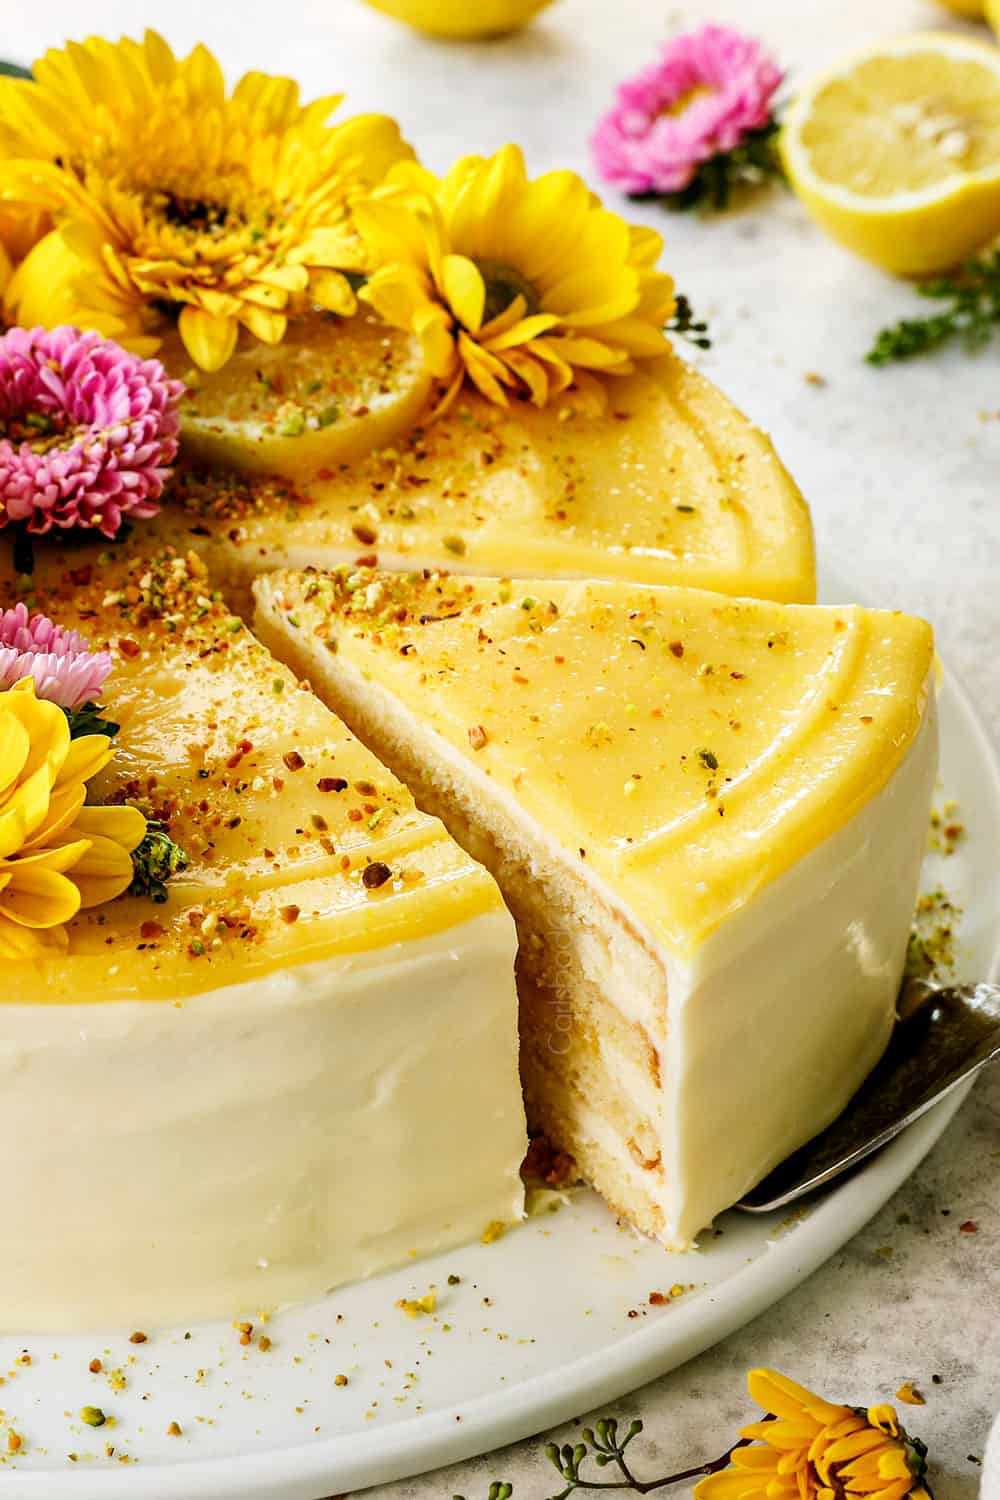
21 225
56 855
818 1451
518 285
167 193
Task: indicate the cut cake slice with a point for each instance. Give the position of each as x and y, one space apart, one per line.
707 816
235 1098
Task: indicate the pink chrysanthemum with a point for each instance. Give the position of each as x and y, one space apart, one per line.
87 431
65 670
708 90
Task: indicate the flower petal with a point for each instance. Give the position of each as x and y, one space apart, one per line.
125 825
39 897
465 290
210 340
103 873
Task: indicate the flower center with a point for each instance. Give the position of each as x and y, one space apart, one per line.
503 284
42 430
198 215
685 100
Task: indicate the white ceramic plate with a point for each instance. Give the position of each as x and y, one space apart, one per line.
550 1320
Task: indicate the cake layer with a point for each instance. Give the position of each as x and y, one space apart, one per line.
708 818
232 1097
669 483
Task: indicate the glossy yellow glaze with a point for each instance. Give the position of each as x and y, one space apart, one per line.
277 805
668 484
687 746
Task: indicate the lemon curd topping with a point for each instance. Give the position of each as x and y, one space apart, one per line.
667 483
690 747
282 814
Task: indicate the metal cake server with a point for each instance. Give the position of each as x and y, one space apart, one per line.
942 1036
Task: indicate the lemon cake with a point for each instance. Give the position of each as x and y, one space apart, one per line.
707 816
233 1098
319 451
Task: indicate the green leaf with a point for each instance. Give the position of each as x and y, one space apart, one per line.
154 862
87 720
13 70
750 164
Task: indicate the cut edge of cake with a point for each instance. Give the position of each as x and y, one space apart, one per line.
676 1081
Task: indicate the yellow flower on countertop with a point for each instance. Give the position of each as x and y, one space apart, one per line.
56 854
522 286
228 211
816 1450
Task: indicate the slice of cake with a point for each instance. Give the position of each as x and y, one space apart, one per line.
667 482
299 1067
707 816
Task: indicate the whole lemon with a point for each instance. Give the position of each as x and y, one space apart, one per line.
991 10
971 8
462 18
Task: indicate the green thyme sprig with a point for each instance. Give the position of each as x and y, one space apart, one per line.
605 1448
154 862
971 312
683 322
87 719
752 163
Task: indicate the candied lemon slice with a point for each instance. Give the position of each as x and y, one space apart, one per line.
330 392
896 150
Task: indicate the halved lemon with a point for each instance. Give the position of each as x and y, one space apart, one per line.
333 390
896 151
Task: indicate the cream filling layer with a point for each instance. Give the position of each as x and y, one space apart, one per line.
260 1143
780 1013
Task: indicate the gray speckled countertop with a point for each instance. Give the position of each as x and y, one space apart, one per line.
900 468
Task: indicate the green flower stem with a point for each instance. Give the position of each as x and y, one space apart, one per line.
603 1446
969 314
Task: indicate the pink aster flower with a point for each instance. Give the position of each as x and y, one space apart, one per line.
87 431
708 91
65 670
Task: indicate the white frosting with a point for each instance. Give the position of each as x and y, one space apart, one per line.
781 1013
787 1006
259 1143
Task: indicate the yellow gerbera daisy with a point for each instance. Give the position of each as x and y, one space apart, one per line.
518 285
818 1451
169 194
56 855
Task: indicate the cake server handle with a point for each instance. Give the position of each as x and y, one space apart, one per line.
942 1036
